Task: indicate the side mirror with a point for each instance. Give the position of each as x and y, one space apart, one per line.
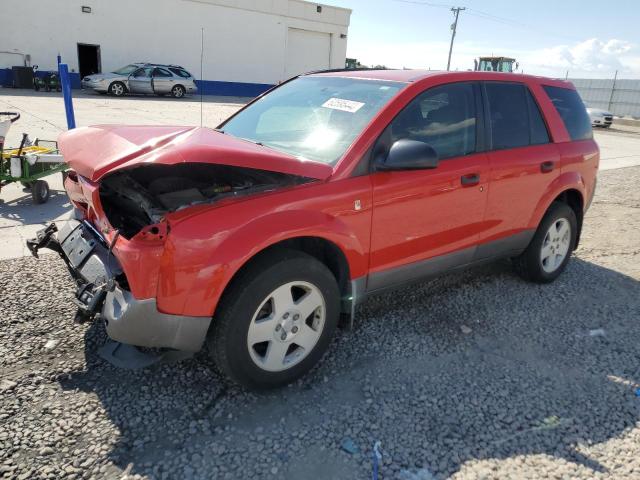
408 154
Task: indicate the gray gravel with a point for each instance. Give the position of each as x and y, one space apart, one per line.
476 375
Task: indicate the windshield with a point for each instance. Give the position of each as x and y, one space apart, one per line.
129 69
315 118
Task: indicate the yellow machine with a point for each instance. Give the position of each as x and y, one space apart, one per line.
495 64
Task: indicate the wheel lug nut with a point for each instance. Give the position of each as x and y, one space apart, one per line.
286 315
283 336
294 330
278 327
296 316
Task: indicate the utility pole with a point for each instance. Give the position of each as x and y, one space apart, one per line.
613 89
456 11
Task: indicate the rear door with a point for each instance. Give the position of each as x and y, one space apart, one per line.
163 80
140 81
426 221
523 163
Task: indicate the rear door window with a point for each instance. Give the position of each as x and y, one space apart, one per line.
161 72
508 115
572 111
514 116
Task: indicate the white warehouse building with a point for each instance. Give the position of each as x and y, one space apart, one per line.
249 45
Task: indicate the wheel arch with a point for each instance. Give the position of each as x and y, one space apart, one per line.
184 89
321 248
568 188
124 84
575 200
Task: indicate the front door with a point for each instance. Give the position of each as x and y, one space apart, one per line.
426 221
141 81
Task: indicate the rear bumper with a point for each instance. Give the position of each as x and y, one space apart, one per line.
127 319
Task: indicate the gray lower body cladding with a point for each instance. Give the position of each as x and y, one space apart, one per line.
127 319
378 282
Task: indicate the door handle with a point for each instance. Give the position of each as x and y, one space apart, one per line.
546 167
470 179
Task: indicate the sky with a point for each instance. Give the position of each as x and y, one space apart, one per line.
589 39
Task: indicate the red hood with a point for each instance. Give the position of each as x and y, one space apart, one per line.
98 150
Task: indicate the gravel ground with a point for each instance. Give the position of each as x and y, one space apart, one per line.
475 375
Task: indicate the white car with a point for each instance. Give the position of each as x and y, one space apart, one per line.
600 117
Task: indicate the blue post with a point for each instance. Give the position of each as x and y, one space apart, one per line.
66 94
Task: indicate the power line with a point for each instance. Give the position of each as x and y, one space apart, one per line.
491 17
456 11
515 23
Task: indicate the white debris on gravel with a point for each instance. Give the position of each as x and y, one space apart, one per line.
528 395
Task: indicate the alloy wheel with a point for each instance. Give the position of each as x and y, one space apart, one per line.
178 91
117 89
555 245
286 326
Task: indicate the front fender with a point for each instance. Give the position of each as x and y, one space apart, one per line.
565 181
203 252
226 252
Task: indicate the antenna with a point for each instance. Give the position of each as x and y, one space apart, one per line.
201 78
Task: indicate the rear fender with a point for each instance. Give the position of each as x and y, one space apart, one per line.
565 181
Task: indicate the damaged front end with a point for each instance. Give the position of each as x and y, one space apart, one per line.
102 291
136 198
88 259
127 184
127 216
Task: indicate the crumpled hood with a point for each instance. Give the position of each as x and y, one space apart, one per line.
95 151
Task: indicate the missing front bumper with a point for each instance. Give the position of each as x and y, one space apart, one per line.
96 270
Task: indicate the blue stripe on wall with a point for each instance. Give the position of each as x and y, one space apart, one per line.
209 87
236 89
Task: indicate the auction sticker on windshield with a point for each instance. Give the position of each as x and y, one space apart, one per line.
350 106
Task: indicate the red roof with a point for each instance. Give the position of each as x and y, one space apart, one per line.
416 75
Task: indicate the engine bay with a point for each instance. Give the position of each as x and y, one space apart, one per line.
141 196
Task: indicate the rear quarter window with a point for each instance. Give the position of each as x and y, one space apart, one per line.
572 111
180 72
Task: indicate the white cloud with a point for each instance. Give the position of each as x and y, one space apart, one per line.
592 58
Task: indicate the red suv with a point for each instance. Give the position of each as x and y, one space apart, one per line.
258 235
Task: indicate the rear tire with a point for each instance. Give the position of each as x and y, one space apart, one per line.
547 255
40 192
178 91
279 303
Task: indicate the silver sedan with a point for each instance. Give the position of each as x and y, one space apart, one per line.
143 78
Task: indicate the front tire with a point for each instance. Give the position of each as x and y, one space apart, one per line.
547 255
117 89
276 320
